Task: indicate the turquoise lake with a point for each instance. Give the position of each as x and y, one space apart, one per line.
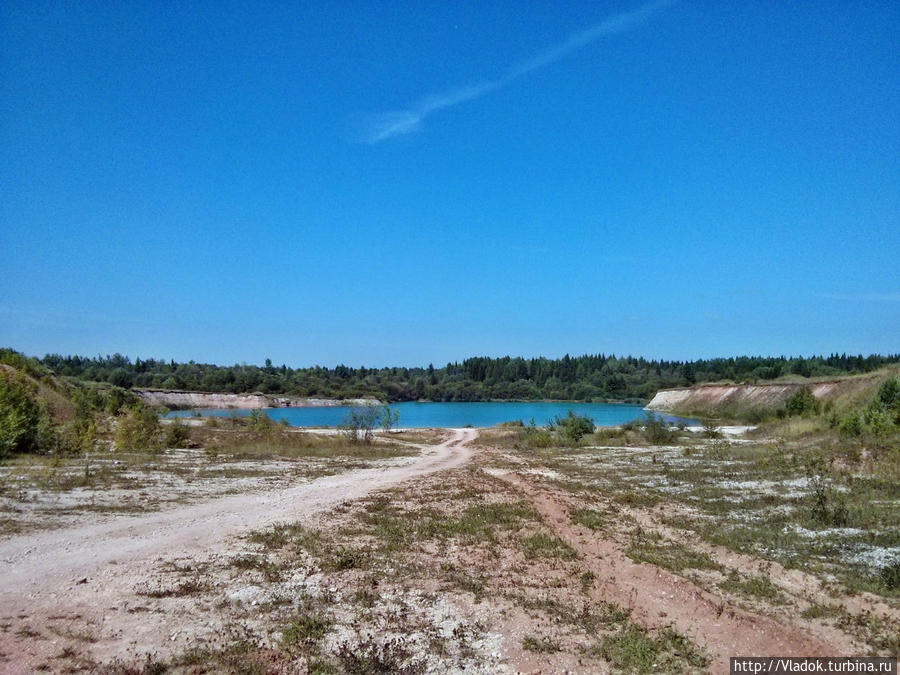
420 415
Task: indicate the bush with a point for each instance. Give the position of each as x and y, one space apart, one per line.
21 416
802 402
574 427
138 429
177 435
656 430
889 575
852 425
828 508
360 422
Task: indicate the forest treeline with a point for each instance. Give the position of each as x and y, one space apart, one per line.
583 378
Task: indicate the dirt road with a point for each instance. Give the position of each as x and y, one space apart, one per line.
85 573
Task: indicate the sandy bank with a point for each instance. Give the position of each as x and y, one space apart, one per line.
224 401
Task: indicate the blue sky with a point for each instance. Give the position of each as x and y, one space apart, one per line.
412 182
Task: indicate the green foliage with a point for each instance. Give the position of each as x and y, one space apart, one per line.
540 645
21 415
588 377
802 402
879 418
177 434
852 425
657 431
138 430
360 421
305 630
573 427
889 575
827 508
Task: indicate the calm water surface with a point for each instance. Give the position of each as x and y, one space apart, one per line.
420 415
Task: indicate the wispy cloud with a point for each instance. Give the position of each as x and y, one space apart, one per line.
862 297
385 125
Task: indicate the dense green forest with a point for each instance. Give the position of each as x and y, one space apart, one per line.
591 377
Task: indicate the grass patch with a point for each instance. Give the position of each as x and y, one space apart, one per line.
186 588
270 570
542 545
589 518
756 586
633 650
540 645
305 630
816 611
636 499
281 535
669 555
371 657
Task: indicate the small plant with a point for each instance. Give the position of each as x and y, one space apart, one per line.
711 429
305 630
541 645
889 575
629 650
177 435
348 559
591 519
543 545
656 430
587 580
802 402
757 586
573 427
371 657
138 429
827 508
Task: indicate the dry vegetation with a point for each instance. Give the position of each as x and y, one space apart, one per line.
625 550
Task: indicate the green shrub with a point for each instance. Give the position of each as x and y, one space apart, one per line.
21 415
852 425
177 434
802 402
138 430
828 508
573 427
656 430
890 575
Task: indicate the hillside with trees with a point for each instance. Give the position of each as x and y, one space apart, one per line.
598 377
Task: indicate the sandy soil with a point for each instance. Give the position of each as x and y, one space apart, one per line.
463 601
83 575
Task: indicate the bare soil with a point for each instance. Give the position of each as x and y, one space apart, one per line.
471 558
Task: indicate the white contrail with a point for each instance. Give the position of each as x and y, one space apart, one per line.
392 123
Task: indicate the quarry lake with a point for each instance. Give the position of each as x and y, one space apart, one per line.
421 415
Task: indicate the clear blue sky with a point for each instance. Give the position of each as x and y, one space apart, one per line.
410 182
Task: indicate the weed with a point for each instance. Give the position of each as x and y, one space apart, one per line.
889 575
271 571
629 650
632 650
305 630
541 645
587 580
542 545
348 559
816 611
635 498
669 555
280 535
184 589
591 519
375 658
757 586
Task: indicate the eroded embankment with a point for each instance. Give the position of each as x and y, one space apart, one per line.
204 399
713 398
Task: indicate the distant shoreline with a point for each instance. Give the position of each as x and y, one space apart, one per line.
183 399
